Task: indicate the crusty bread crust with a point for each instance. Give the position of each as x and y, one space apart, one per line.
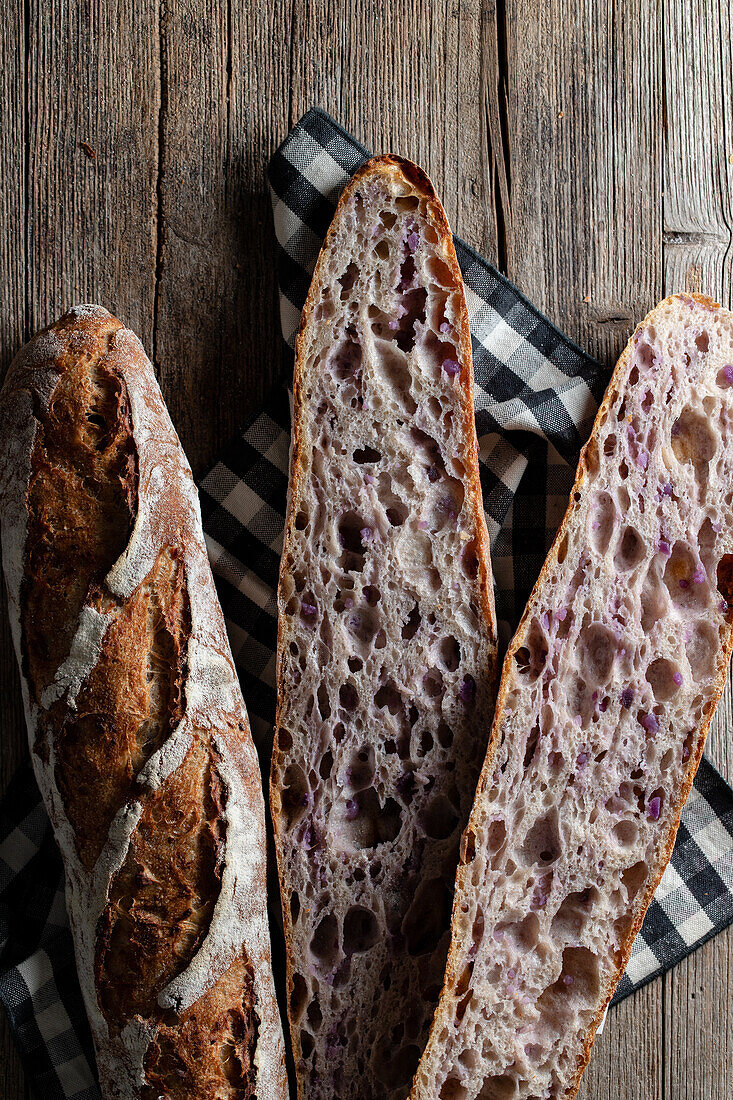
379 169
444 1012
136 721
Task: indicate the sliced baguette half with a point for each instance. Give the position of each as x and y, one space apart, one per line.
607 693
387 639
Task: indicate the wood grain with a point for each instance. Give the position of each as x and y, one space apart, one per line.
696 252
585 148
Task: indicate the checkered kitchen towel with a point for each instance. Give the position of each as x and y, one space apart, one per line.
535 398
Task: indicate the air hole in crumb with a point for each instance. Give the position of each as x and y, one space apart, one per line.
439 818
664 679
410 628
348 279
397 514
630 550
324 945
450 653
542 843
502 1087
366 454
284 740
428 918
445 735
295 794
469 559
326 765
298 996
324 703
371 595
389 696
634 878
361 931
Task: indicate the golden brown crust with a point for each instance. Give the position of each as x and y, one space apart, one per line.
141 741
379 166
642 902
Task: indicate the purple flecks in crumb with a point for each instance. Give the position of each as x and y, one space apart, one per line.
699 576
578 720
664 547
684 583
728 372
676 429
310 835
677 678
366 534
433 473
583 758
444 327
594 696
413 241
394 325
451 368
685 752
348 603
643 459
562 614
627 697
667 490
352 809
723 605
467 690
716 527
511 973
370 479
308 610
631 433
422 524
650 722
595 525
568 979
654 808
603 706
546 621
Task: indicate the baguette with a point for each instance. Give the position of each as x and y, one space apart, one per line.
387 639
138 732
607 693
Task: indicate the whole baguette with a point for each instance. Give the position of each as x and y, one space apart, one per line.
138 732
387 637
606 697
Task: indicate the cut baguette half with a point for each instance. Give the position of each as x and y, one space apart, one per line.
387 639
607 693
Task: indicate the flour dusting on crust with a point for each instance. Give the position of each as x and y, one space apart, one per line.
168 514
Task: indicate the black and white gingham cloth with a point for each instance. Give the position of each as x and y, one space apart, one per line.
536 394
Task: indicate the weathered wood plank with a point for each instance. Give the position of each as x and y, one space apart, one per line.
92 82
79 98
407 76
583 238
13 327
225 107
698 215
585 118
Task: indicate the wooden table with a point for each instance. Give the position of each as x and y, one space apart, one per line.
586 148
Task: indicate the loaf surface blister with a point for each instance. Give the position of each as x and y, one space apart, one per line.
138 731
387 647
607 693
